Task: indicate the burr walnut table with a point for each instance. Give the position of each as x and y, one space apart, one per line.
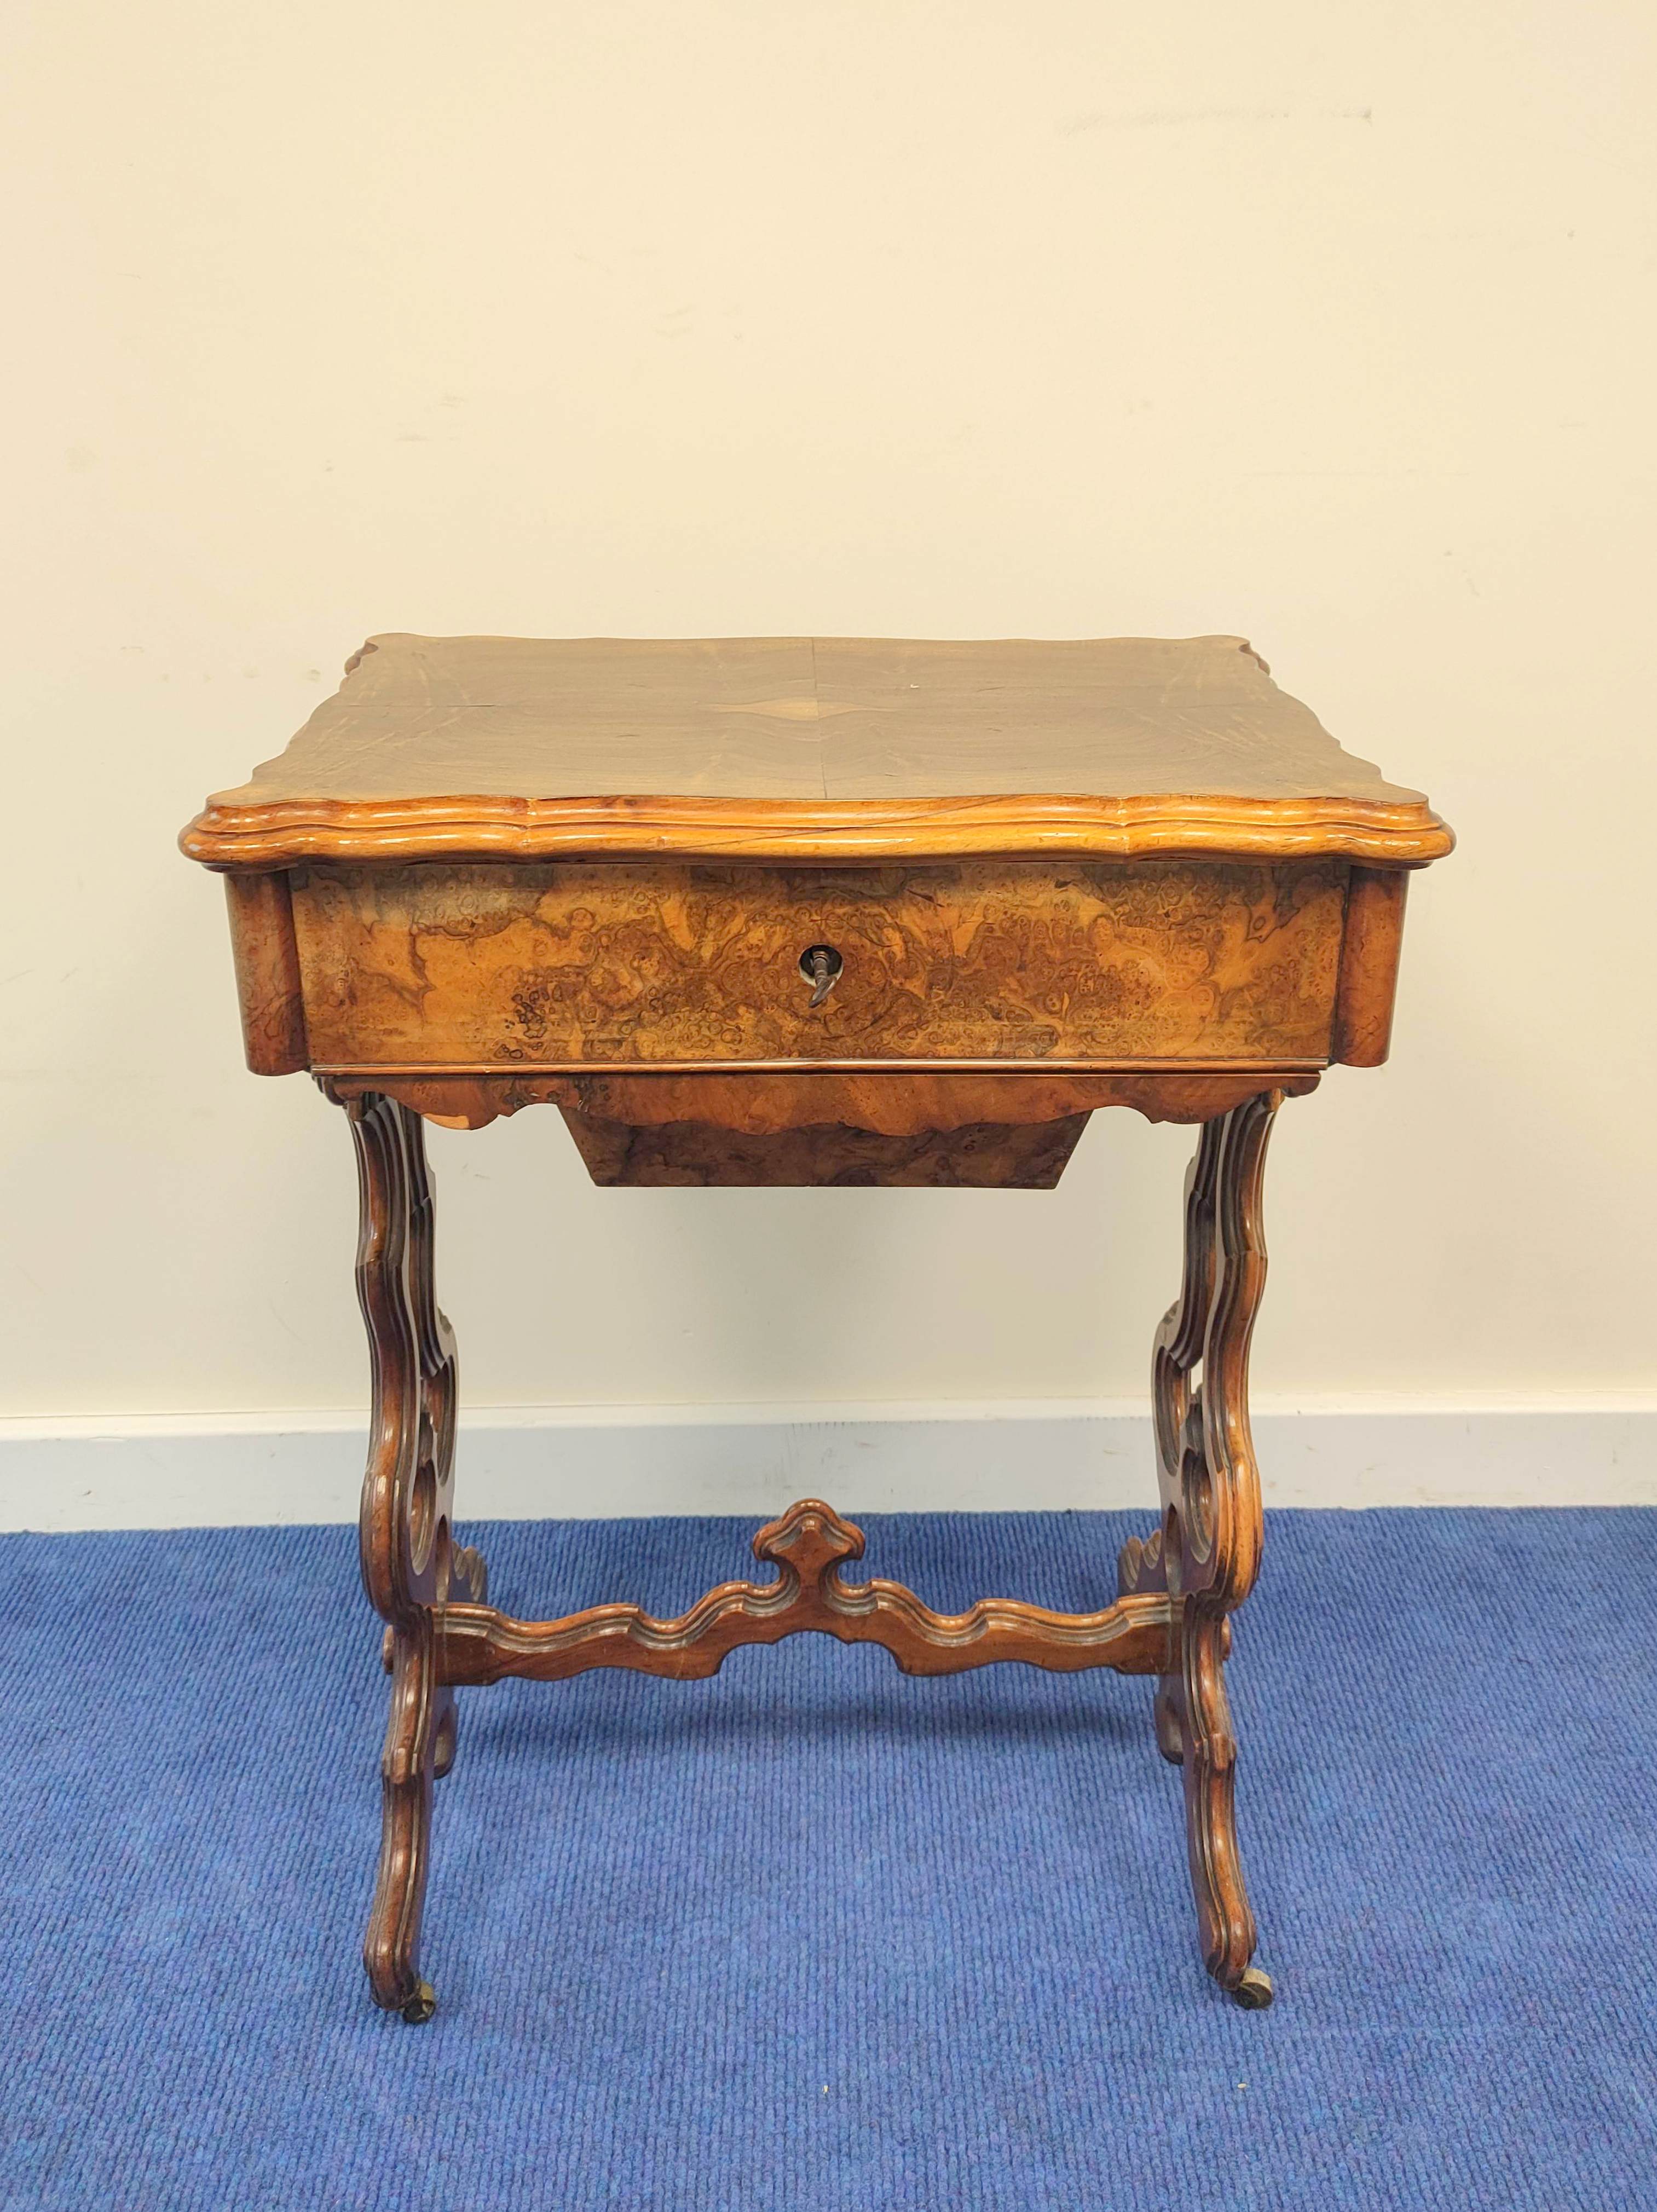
831 910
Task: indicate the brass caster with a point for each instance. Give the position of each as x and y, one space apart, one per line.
1254 1992
423 2003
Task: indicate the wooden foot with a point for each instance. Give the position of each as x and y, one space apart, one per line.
410 1564
1206 1554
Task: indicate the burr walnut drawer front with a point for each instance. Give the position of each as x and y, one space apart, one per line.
538 964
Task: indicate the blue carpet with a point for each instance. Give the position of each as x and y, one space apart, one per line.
815 1938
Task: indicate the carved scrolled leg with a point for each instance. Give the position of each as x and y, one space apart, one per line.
410 1564
391 1951
1206 1553
1144 1564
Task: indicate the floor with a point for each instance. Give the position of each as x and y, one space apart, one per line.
814 1936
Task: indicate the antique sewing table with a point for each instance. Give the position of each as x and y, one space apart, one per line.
797 911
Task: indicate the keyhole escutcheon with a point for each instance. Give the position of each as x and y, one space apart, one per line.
820 964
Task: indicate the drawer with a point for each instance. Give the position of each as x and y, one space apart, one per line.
551 964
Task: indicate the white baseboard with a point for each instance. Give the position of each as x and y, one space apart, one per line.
538 1463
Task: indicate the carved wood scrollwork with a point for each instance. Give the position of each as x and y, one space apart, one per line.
1206 1554
808 1546
1178 1585
411 1563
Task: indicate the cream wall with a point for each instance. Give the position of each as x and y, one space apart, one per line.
1332 326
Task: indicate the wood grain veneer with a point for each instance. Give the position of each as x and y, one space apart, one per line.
893 1101
1371 944
269 987
546 965
832 1156
811 748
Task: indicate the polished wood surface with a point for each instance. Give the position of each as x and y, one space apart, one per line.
1370 946
1206 1552
538 966
825 1155
837 748
808 1546
269 987
412 1566
831 912
768 1103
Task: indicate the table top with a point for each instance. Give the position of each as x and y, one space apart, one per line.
809 748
